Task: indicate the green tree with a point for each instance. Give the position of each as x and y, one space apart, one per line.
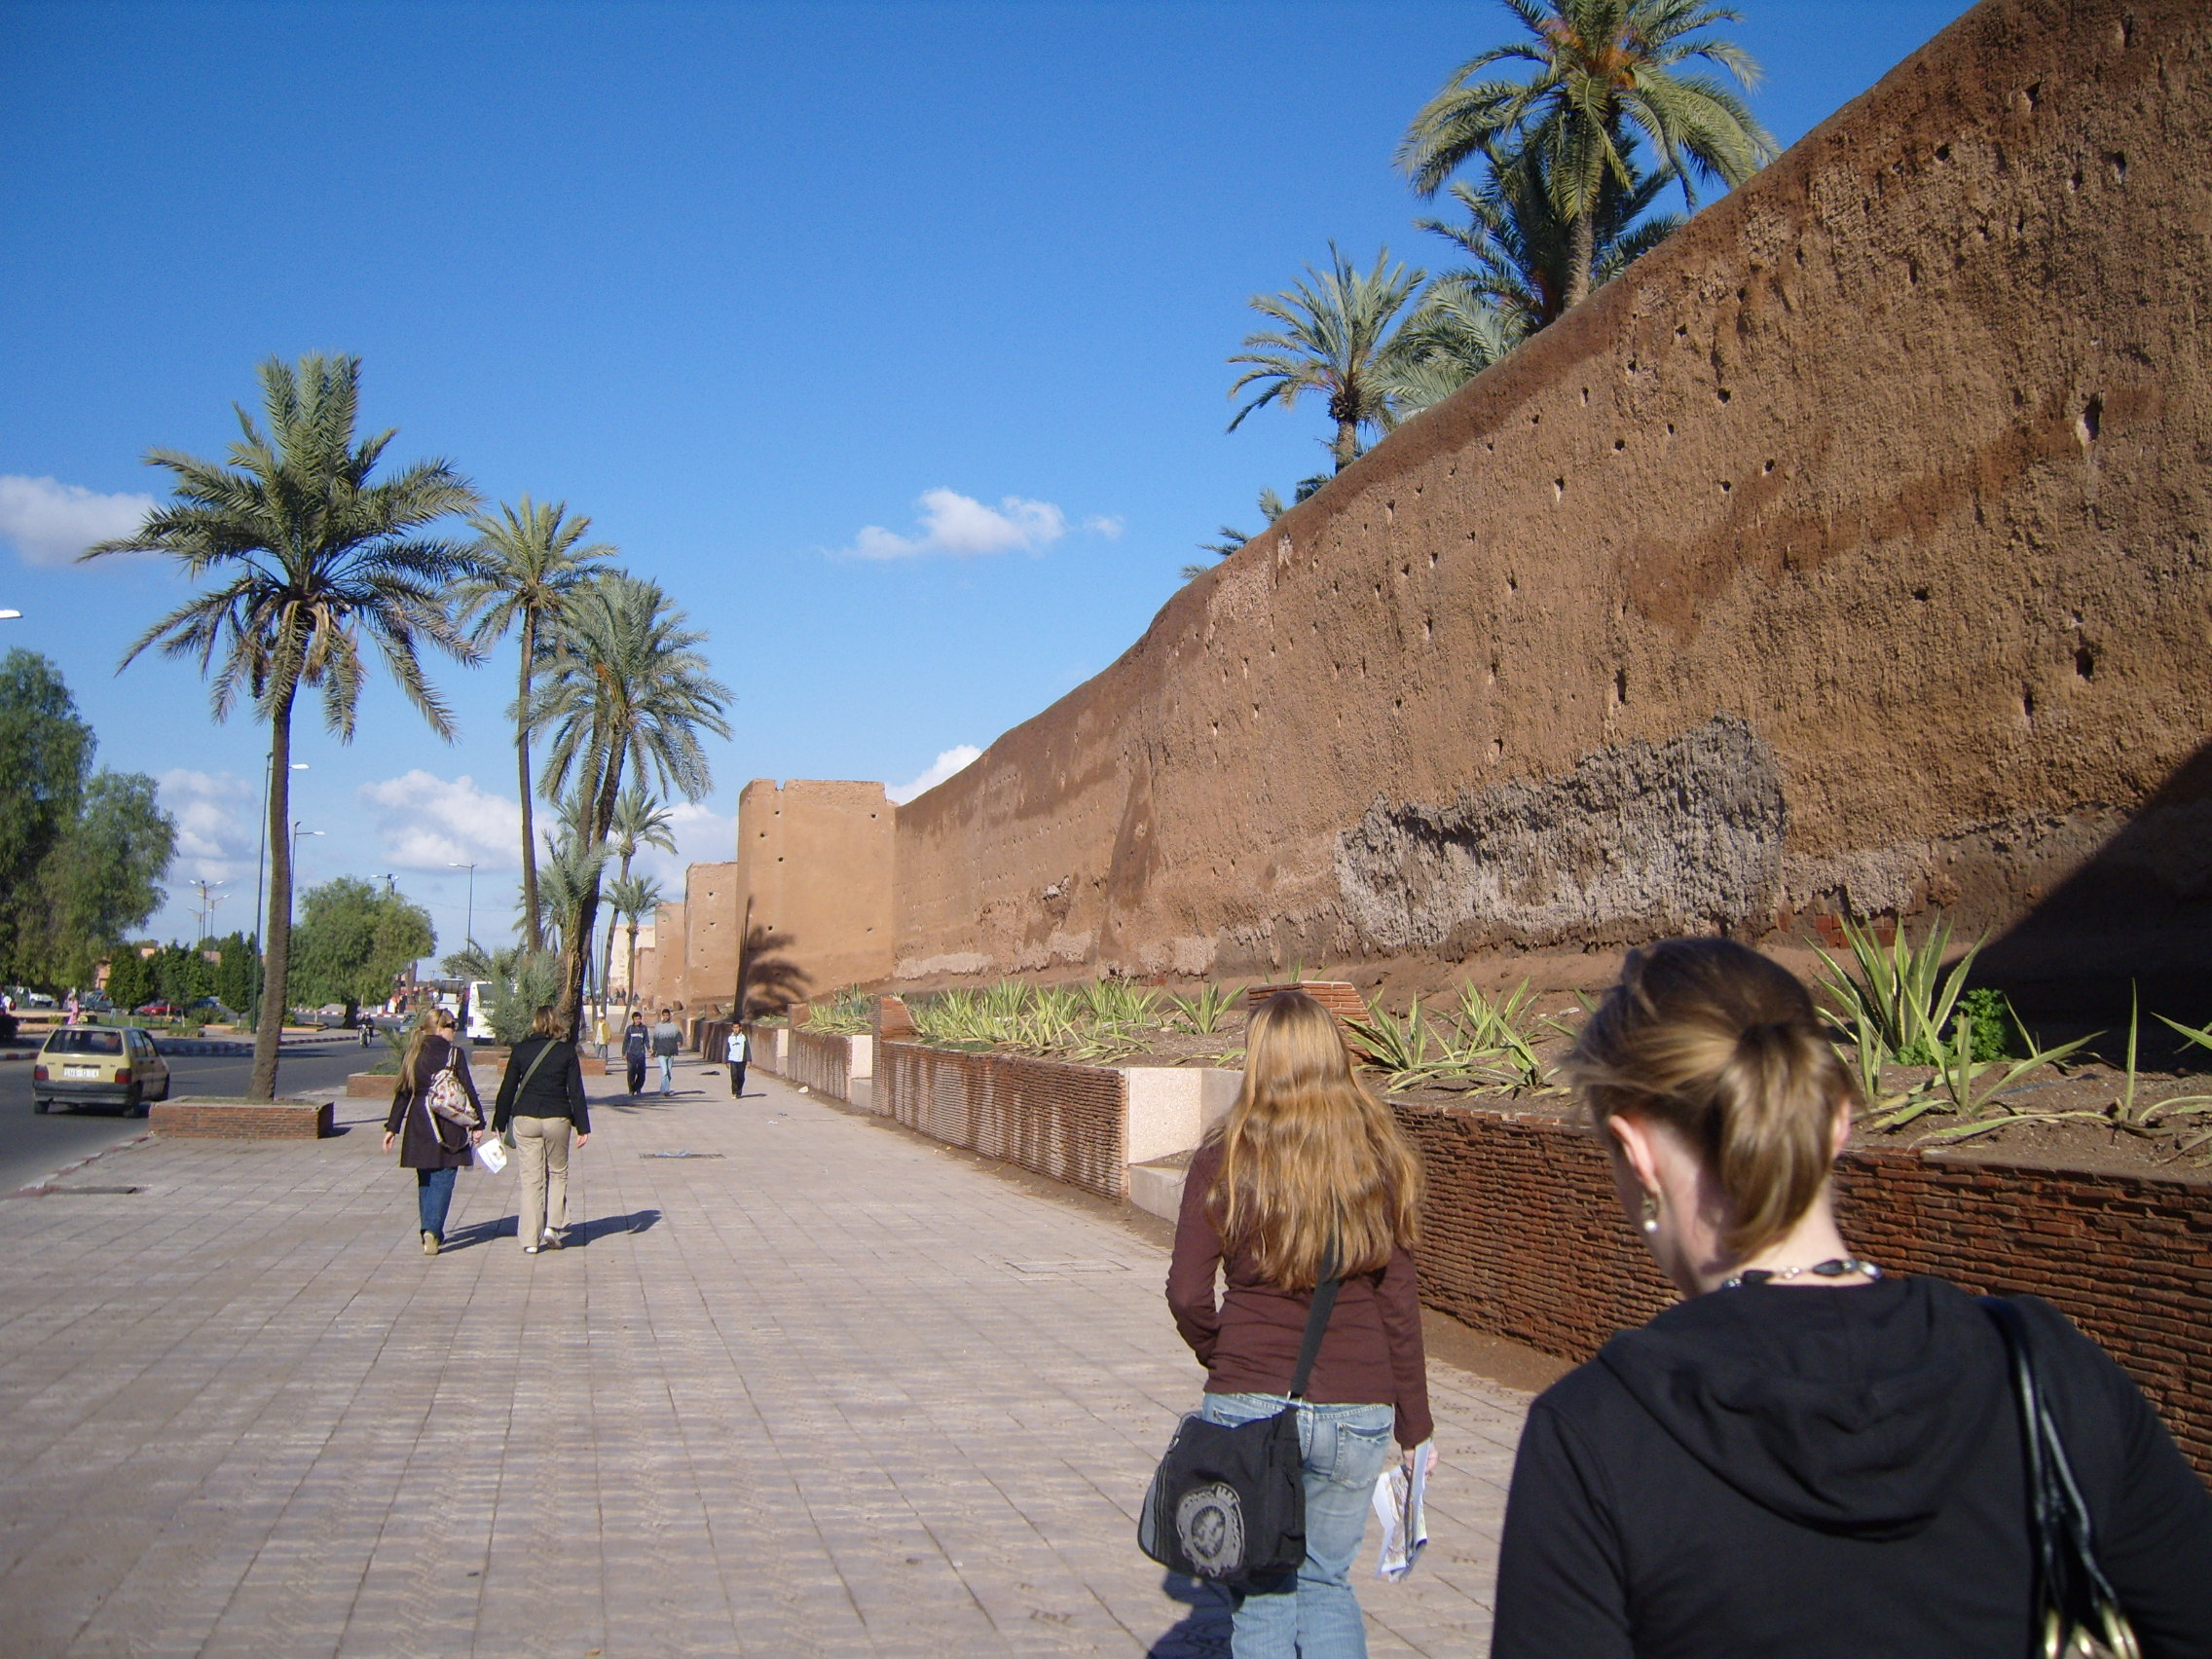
129 983
626 689
1338 340
44 753
235 972
632 899
529 560
313 558
102 878
1600 71
353 941
639 821
182 975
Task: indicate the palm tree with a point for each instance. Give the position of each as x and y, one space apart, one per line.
1517 281
528 562
1603 69
624 688
639 821
312 557
1336 340
631 897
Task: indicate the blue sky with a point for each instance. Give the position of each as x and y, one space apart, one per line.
760 288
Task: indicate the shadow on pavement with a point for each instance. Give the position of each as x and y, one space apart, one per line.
604 1226
481 1233
1203 1633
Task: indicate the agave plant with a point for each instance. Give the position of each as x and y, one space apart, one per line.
848 1012
1895 1001
1204 1012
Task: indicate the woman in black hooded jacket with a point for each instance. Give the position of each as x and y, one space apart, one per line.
541 1099
1805 1457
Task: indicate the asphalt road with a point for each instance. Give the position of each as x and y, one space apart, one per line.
32 1146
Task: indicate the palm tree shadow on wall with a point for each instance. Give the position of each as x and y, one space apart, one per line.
768 982
2138 912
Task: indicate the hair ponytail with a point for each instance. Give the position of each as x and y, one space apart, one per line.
1724 1047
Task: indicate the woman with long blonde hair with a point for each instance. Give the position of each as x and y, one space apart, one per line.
434 1147
1308 1174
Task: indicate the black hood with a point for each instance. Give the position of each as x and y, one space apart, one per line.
1846 1408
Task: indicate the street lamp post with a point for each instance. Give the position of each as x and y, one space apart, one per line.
297 832
260 862
468 928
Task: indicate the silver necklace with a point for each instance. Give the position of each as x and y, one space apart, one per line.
1835 1266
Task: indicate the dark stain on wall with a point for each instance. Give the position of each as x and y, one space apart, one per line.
1640 839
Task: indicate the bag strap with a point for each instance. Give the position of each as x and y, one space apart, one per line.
529 1070
1316 1321
2072 1592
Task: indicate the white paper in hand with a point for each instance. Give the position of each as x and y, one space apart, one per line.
1398 1505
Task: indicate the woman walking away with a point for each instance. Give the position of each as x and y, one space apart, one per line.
1309 1170
734 1051
1806 1456
433 1082
543 1098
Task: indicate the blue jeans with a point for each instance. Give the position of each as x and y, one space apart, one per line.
433 1196
667 1073
1316 1616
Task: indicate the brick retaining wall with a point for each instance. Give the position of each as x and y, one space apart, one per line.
1527 1240
822 1062
1055 1119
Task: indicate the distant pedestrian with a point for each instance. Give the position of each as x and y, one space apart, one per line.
432 1145
636 1049
668 1038
599 1032
542 1098
1806 1456
1308 1184
736 1057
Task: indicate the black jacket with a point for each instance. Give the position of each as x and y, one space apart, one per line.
1815 1473
428 1141
556 1086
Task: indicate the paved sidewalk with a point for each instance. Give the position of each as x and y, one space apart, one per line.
836 1391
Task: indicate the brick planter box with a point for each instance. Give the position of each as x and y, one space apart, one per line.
1527 1240
371 1085
1067 1121
194 1119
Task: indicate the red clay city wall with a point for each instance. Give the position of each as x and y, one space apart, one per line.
1053 1119
1526 1239
1852 549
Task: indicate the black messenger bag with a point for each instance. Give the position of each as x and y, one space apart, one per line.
1228 1504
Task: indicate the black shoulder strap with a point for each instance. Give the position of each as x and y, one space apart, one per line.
1316 1322
529 1070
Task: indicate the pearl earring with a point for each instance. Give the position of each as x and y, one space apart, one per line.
1650 1221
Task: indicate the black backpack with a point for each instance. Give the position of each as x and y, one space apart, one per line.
1227 1503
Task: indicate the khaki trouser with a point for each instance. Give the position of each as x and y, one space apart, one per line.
541 1147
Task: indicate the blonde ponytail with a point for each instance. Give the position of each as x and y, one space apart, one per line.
1724 1047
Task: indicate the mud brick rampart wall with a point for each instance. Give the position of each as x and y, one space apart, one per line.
1851 552
1526 1239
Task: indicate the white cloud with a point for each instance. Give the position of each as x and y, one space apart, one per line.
51 521
216 833
939 769
426 822
964 528
703 835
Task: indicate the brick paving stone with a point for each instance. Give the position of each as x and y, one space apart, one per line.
838 1391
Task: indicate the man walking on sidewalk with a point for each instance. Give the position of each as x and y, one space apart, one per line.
668 1037
637 1044
736 1058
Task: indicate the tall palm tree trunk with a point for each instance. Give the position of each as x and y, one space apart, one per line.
607 969
1348 443
1581 252
533 922
631 989
277 955
576 940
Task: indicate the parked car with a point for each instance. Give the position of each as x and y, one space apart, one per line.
96 1004
158 1009
209 1008
99 1065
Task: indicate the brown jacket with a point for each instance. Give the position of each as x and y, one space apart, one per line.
1370 1353
427 1141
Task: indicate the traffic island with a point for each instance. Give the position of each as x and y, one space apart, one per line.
194 1118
